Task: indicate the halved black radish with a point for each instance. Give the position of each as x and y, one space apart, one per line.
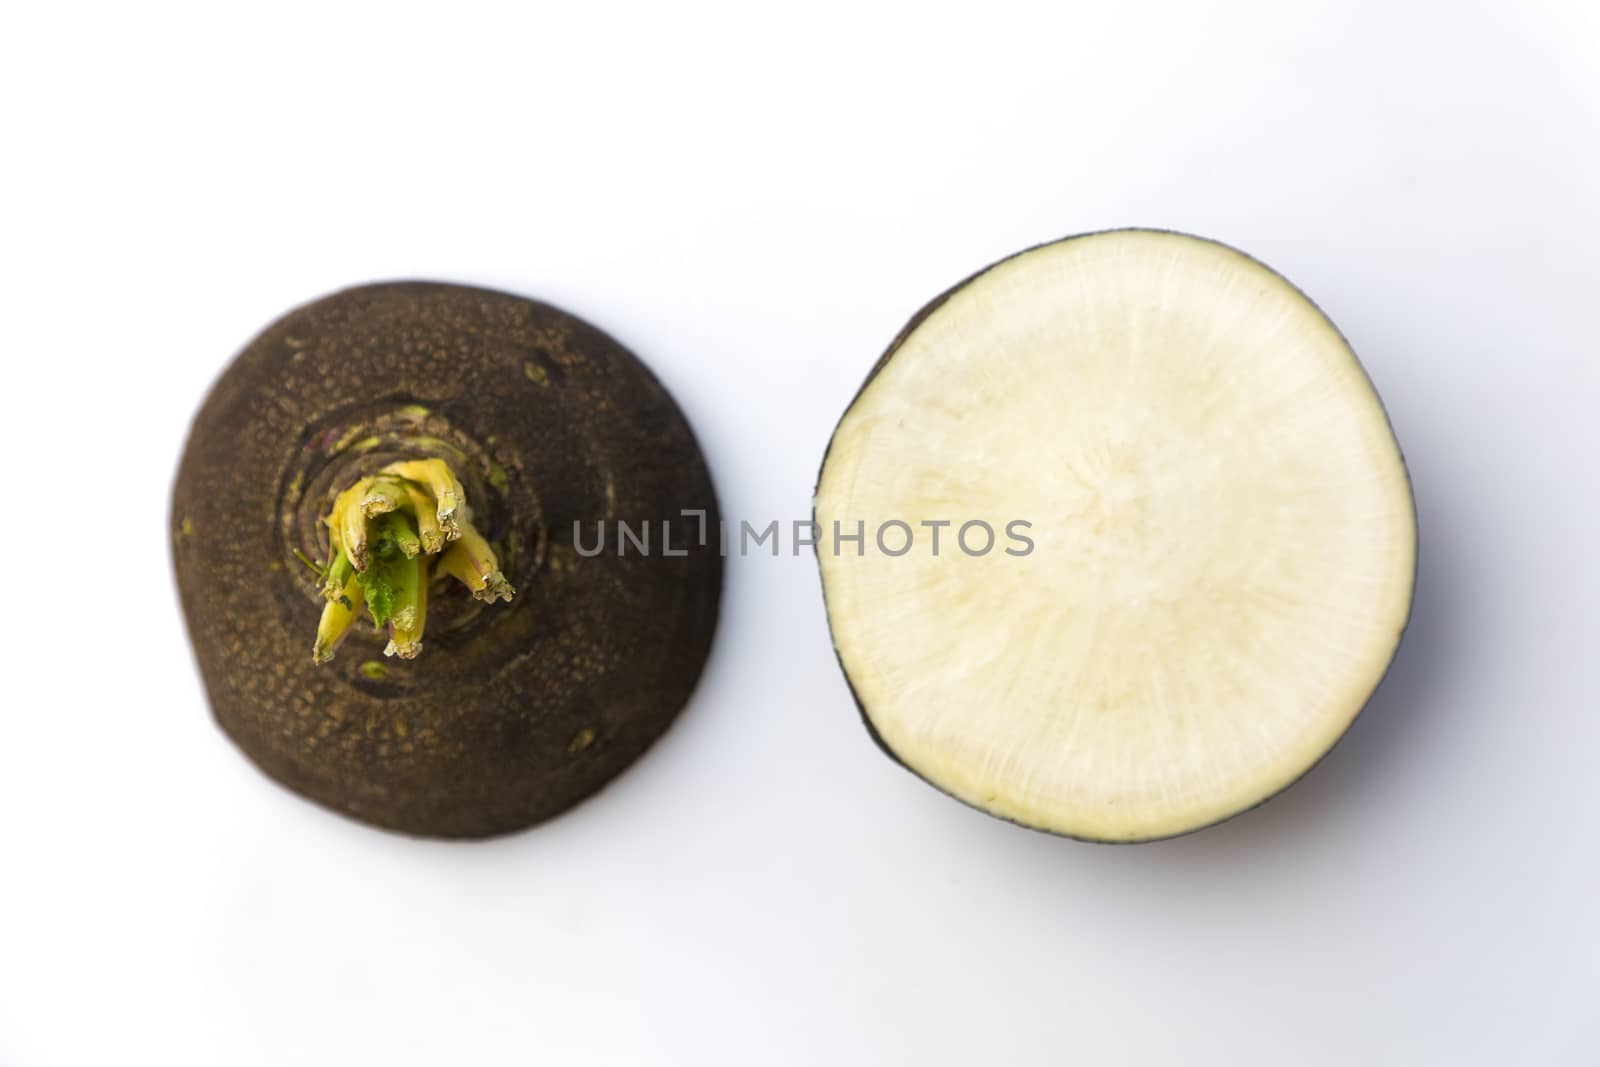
1203 551
431 451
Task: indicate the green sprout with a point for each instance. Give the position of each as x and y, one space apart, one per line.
389 535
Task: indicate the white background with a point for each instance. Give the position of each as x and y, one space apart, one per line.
755 202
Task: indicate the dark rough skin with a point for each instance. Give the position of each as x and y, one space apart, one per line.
513 712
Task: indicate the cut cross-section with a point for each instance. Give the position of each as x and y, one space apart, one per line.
1203 543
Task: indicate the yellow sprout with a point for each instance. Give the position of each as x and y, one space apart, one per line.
389 534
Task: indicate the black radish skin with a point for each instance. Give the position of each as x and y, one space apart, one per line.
514 712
